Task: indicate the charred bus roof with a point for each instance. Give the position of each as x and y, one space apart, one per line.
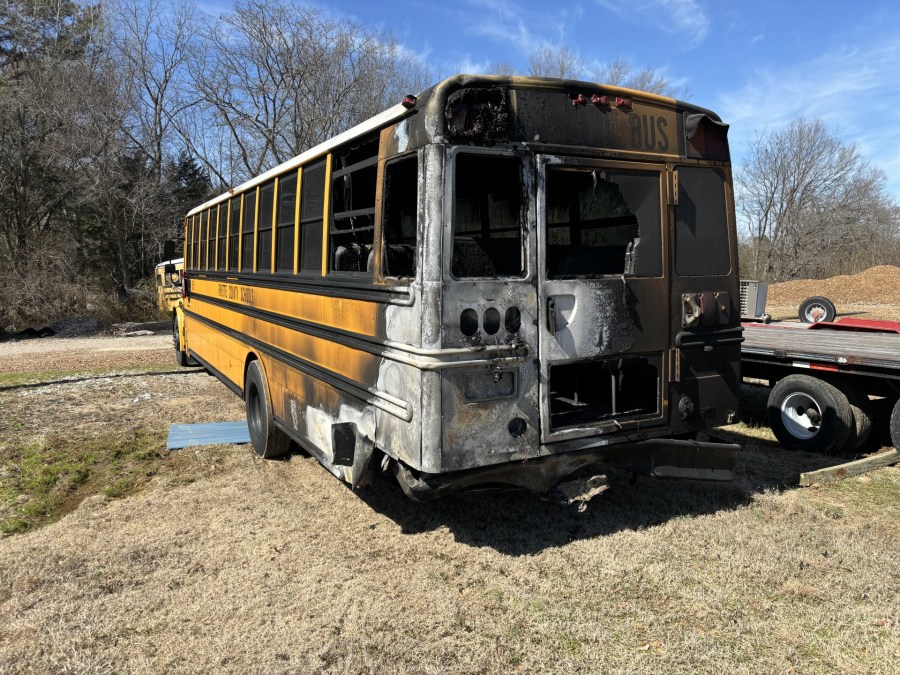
552 113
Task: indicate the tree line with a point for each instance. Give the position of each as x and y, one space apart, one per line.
118 117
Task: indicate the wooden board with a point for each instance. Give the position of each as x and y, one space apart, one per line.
850 468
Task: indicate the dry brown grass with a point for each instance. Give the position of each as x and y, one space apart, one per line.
228 563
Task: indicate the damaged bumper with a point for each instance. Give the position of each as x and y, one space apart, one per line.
659 458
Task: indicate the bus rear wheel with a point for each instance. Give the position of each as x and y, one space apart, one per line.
268 440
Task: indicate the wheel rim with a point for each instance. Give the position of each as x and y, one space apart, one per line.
816 313
801 415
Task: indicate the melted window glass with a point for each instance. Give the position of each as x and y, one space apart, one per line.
602 222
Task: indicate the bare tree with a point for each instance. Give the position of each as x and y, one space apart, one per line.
57 122
559 62
811 204
562 62
502 68
278 78
620 73
151 41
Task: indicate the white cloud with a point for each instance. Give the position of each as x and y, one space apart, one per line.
510 22
855 91
676 17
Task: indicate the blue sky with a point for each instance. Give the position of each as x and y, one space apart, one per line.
757 63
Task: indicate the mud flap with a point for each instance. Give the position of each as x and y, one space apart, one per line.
695 461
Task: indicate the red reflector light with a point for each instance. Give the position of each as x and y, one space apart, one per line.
409 101
825 367
623 102
579 100
599 100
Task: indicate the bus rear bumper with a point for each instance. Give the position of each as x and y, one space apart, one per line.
659 458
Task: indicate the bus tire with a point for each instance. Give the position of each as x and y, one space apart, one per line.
863 414
815 309
895 425
181 357
268 440
809 414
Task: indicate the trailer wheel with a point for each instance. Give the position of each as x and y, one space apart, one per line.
809 414
815 309
861 407
268 440
895 425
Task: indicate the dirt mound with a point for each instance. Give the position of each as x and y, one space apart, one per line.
875 285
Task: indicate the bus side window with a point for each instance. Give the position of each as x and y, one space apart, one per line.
222 220
312 203
264 235
399 224
284 223
189 245
247 231
204 240
353 184
233 233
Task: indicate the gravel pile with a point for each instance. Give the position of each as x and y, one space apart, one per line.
876 285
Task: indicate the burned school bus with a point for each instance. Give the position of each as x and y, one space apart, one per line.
500 281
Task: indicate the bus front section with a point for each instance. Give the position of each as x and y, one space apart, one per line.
586 288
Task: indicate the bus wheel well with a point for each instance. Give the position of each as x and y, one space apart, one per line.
251 357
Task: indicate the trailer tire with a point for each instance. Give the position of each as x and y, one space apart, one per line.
809 414
863 414
895 425
268 441
815 309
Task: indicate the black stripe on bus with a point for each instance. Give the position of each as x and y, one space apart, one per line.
336 380
327 286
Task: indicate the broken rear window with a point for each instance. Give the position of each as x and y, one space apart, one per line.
487 214
602 222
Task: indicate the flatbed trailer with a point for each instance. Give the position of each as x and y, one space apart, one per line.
824 377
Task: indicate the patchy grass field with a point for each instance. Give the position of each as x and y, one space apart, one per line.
212 560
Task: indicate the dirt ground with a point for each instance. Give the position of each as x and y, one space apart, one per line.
223 562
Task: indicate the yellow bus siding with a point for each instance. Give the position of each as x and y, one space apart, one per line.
354 364
356 316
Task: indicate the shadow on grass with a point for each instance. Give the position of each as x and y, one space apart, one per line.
520 523
88 378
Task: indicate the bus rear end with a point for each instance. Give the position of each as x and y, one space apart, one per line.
589 267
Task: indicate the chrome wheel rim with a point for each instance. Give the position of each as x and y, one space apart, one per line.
801 415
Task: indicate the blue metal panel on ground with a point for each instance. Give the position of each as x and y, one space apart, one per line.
213 433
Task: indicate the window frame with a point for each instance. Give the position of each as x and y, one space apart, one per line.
527 227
